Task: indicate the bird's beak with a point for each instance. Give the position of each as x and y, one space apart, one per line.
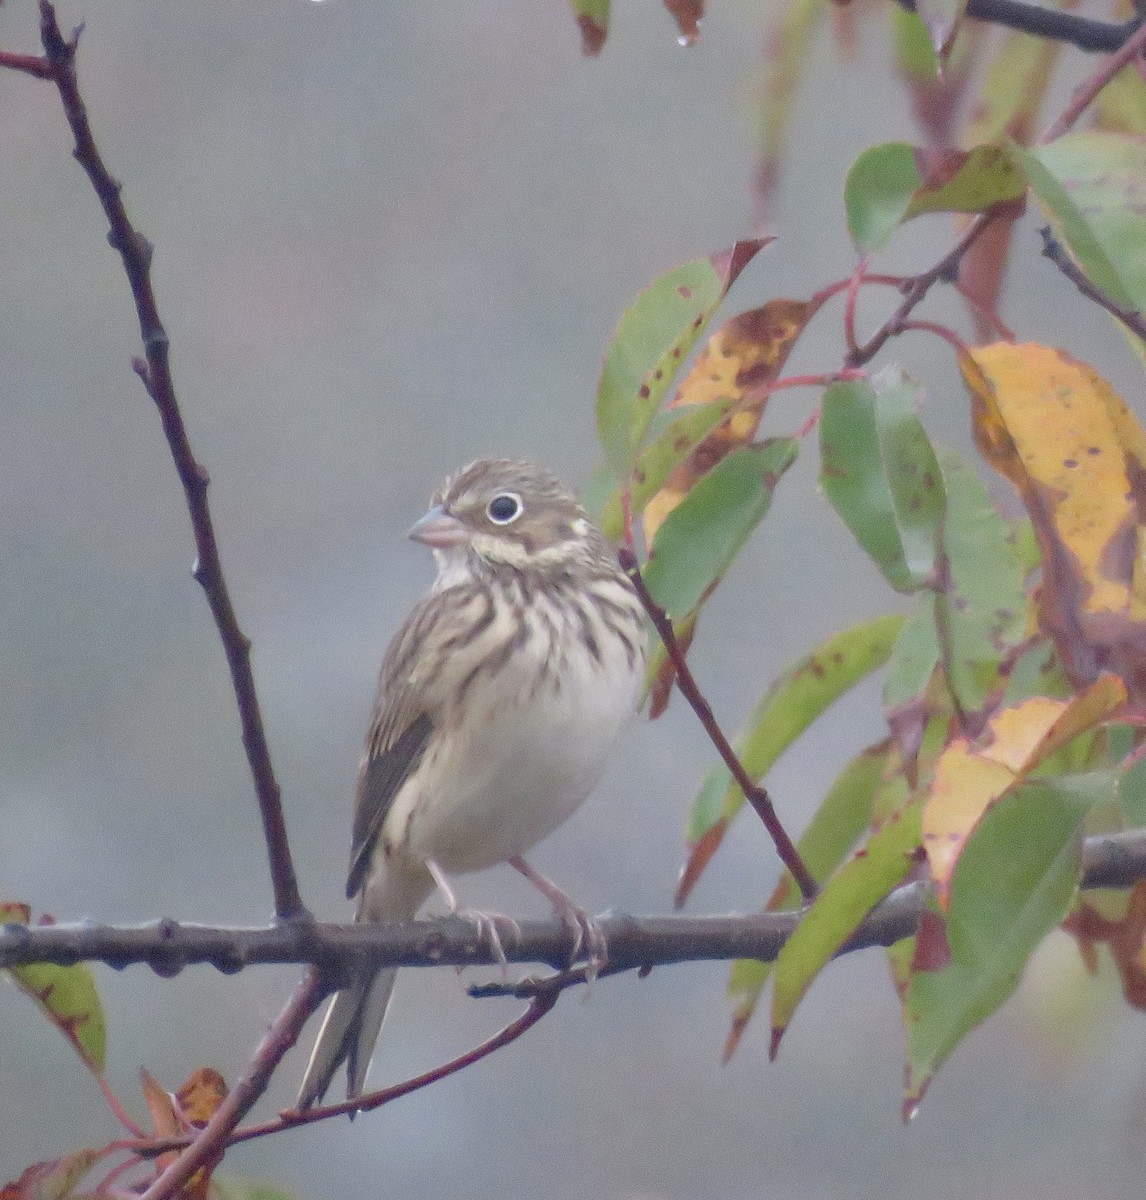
439 530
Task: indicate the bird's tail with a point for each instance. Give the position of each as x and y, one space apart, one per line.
355 1015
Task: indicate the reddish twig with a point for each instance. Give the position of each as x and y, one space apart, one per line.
30 64
916 288
754 793
948 335
207 1147
540 1003
1086 91
154 371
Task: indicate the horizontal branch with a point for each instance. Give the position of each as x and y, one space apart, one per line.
1112 860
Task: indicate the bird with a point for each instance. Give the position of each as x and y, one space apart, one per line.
499 700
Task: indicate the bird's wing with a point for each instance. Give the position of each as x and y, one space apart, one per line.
399 731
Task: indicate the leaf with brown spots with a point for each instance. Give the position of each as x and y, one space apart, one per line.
53 1180
733 370
846 898
66 995
652 339
1077 456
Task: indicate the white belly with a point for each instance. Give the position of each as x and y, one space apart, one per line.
524 758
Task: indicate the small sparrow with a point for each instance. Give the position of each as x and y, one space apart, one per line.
498 702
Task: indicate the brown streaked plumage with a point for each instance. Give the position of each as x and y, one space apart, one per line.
498 701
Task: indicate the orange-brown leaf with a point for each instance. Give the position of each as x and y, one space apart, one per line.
1126 939
745 355
201 1095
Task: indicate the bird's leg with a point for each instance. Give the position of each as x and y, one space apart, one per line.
587 931
484 922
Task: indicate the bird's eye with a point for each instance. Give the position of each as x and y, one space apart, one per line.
504 508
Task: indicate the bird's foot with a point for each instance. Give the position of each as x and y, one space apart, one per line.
589 939
484 922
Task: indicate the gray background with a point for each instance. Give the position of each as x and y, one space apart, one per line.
390 238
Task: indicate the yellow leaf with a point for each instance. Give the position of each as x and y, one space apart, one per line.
970 777
1077 456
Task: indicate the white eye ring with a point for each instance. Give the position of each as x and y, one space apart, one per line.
504 508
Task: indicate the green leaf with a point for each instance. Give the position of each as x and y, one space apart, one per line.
790 705
913 658
66 995
892 183
1089 186
652 340
701 537
915 56
877 193
846 899
1121 105
1132 793
880 474
843 815
1013 885
668 449
1012 93
981 608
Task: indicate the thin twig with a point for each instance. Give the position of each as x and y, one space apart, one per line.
1086 91
154 370
1054 250
754 793
207 1147
290 1118
947 268
29 64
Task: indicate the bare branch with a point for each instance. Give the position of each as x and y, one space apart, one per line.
756 794
154 370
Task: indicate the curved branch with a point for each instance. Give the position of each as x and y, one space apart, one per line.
58 65
1111 860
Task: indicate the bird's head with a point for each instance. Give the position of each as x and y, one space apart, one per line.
497 514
